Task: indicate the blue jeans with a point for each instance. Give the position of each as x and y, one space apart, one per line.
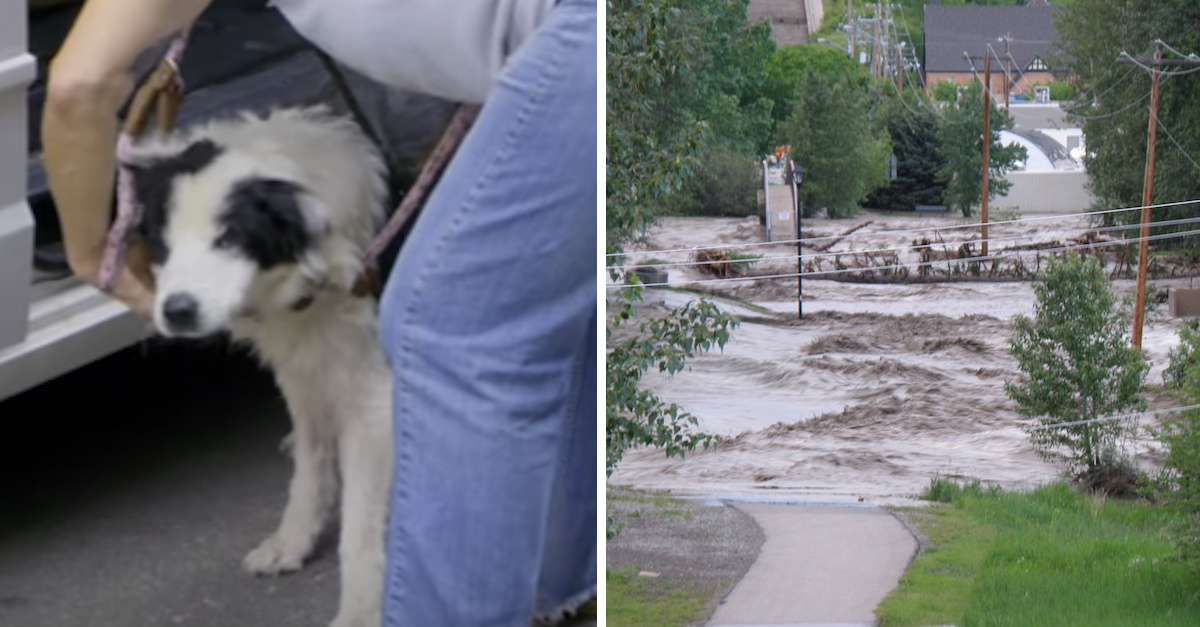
489 323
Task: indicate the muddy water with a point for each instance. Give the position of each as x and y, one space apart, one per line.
878 388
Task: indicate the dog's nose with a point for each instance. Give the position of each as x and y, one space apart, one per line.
181 312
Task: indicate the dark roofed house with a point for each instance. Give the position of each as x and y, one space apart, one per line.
1028 30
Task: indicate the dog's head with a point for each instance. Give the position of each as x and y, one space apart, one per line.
252 215
224 236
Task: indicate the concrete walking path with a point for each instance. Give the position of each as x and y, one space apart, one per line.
820 565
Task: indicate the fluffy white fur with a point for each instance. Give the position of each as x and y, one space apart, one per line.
325 356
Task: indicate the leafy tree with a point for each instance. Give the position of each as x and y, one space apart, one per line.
1113 103
835 138
654 144
913 128
1181 437
961 138
1078 365
728 85
638 417
1184 356
787 66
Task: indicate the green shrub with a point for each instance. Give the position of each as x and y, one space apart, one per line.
946 91
1078 365
943 490
1180 435
725 183
1185 355
742 261
1060 91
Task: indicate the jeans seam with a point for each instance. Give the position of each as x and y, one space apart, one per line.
553 70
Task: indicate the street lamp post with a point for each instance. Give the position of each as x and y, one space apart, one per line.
798 205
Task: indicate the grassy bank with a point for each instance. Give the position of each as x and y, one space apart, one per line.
1049 557
634 601
673 560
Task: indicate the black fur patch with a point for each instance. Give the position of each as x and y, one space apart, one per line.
152 183
262 218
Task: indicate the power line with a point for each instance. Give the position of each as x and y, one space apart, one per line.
1112 113
1104 93
897 266
1174 141
1117 417
947 227
1164 44
1192 60
843 253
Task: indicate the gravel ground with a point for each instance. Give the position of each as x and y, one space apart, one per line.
698 548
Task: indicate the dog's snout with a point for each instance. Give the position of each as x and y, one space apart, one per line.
181 311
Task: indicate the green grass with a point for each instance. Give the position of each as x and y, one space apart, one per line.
647 497
1047 557
661 503
633 601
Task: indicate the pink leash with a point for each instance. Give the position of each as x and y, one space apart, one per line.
463 118
114 249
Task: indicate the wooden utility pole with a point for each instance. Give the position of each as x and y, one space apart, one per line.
1007 69
1139 312
987 144
1156 65
876 61
899 59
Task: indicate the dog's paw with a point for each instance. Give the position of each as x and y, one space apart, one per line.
274 557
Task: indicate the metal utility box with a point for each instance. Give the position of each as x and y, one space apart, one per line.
1184 303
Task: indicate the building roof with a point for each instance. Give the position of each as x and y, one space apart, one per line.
951 30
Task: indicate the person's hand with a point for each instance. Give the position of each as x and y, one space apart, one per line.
134 285
88 80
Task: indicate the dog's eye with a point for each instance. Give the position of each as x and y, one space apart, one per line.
226 241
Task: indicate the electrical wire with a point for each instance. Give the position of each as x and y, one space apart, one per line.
1138 63
1190 57
948 227
1104 93
1173 140
826 255
1111 113
897 266
1074 423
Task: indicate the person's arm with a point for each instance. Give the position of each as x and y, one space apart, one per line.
89 79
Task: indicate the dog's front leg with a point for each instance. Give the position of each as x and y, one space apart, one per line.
366 462
311 495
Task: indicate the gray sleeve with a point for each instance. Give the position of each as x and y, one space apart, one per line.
452 50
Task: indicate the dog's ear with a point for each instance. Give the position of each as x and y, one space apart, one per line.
168 163
152 176
265 219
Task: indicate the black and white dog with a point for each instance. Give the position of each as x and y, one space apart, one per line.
255 226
